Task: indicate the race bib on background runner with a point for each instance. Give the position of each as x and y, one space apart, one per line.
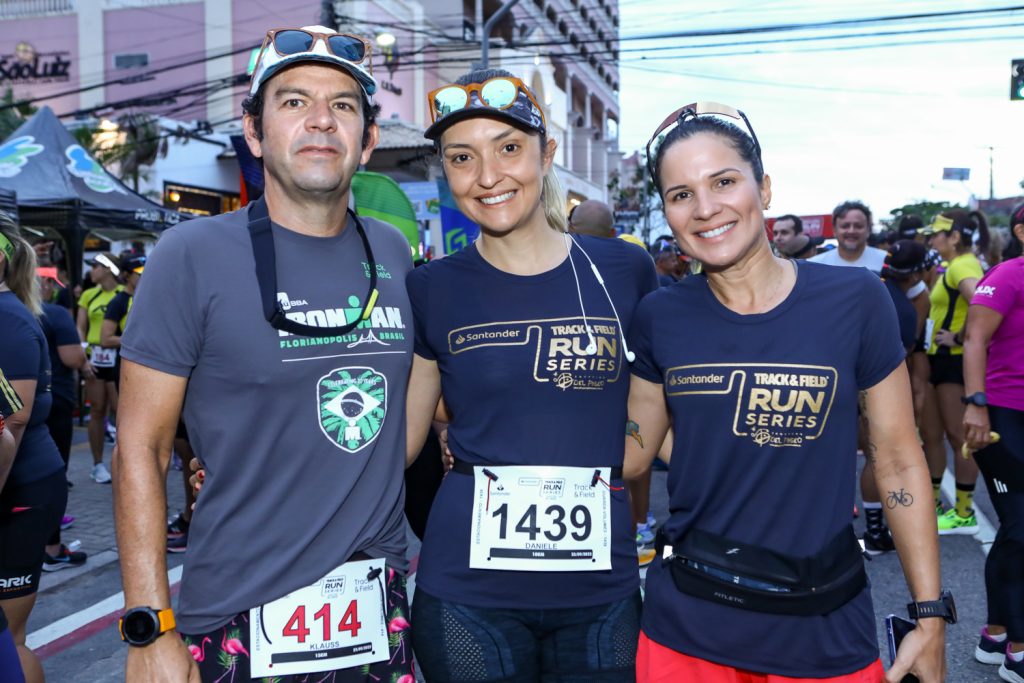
339 622
541 519
103 358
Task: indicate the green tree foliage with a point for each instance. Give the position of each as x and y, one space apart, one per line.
11 117
926 210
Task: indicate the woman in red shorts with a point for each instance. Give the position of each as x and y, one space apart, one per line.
759 366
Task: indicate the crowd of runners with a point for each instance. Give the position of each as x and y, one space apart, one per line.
292 352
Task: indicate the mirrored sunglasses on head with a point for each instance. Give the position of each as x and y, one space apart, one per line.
293 41
692 111
500 92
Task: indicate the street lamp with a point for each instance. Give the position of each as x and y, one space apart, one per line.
385 40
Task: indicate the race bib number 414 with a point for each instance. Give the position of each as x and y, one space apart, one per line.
337 623
541 519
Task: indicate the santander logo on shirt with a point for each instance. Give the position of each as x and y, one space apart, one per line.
985 290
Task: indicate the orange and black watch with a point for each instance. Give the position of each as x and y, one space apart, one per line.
142 625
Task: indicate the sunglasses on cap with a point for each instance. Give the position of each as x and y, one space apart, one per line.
295 41
939 224
498 93
692 111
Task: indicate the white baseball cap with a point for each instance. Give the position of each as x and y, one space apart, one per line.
285 46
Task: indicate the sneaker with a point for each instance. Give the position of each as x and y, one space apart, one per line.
110 432
64 559
177 544
177 526
951 523
100 473
878 543
66 522
990 650
1010 670
644 535
651 521
645 556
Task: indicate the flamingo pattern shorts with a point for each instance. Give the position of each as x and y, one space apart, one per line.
223 654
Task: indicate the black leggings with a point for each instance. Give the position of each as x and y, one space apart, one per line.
1002 466
61 423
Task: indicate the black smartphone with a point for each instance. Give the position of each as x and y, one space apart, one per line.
896 629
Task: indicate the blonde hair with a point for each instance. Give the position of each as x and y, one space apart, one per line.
553 201
19 273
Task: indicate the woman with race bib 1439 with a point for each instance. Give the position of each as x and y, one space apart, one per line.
528 570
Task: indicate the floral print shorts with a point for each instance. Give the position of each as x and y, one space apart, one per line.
223 654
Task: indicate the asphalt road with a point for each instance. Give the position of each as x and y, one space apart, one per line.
76 607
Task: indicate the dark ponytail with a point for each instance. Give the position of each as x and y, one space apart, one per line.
972 226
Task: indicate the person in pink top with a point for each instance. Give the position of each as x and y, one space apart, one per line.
994 384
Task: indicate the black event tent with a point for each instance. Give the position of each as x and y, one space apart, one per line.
60 188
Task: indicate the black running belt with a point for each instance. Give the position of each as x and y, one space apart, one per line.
463 467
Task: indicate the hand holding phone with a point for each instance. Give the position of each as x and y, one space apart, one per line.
896 629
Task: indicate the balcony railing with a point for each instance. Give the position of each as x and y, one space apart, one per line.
14 9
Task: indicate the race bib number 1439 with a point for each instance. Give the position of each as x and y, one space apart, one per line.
541 519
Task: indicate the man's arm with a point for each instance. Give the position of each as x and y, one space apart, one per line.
421 404
647 423
109 338
72 355
82 323
901 473
148 417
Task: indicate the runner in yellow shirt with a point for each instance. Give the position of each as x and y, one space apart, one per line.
953 234
101 391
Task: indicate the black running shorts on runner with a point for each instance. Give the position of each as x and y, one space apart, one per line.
28 515
946 369
106 374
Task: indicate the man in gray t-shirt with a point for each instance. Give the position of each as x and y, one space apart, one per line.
302 434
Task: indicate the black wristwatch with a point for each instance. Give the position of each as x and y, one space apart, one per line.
142 625
944 607
976 399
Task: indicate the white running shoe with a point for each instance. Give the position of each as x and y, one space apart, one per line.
100 473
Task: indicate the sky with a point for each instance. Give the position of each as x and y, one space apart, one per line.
875 124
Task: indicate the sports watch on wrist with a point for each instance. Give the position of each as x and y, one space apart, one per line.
975 399
142 625
944 607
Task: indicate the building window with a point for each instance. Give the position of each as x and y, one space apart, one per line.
131 60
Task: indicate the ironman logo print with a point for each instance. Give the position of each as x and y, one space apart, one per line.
351 404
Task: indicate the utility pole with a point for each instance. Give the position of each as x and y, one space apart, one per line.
991 180
485 45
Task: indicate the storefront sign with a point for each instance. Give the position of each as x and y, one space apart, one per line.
26 65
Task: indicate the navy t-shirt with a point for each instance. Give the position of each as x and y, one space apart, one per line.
24 356
538 401
905 313
764 409
60 330
117 309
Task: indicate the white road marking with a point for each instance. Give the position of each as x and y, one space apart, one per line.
73 622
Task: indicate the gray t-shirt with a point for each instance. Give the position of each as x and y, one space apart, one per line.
303 438
872 258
